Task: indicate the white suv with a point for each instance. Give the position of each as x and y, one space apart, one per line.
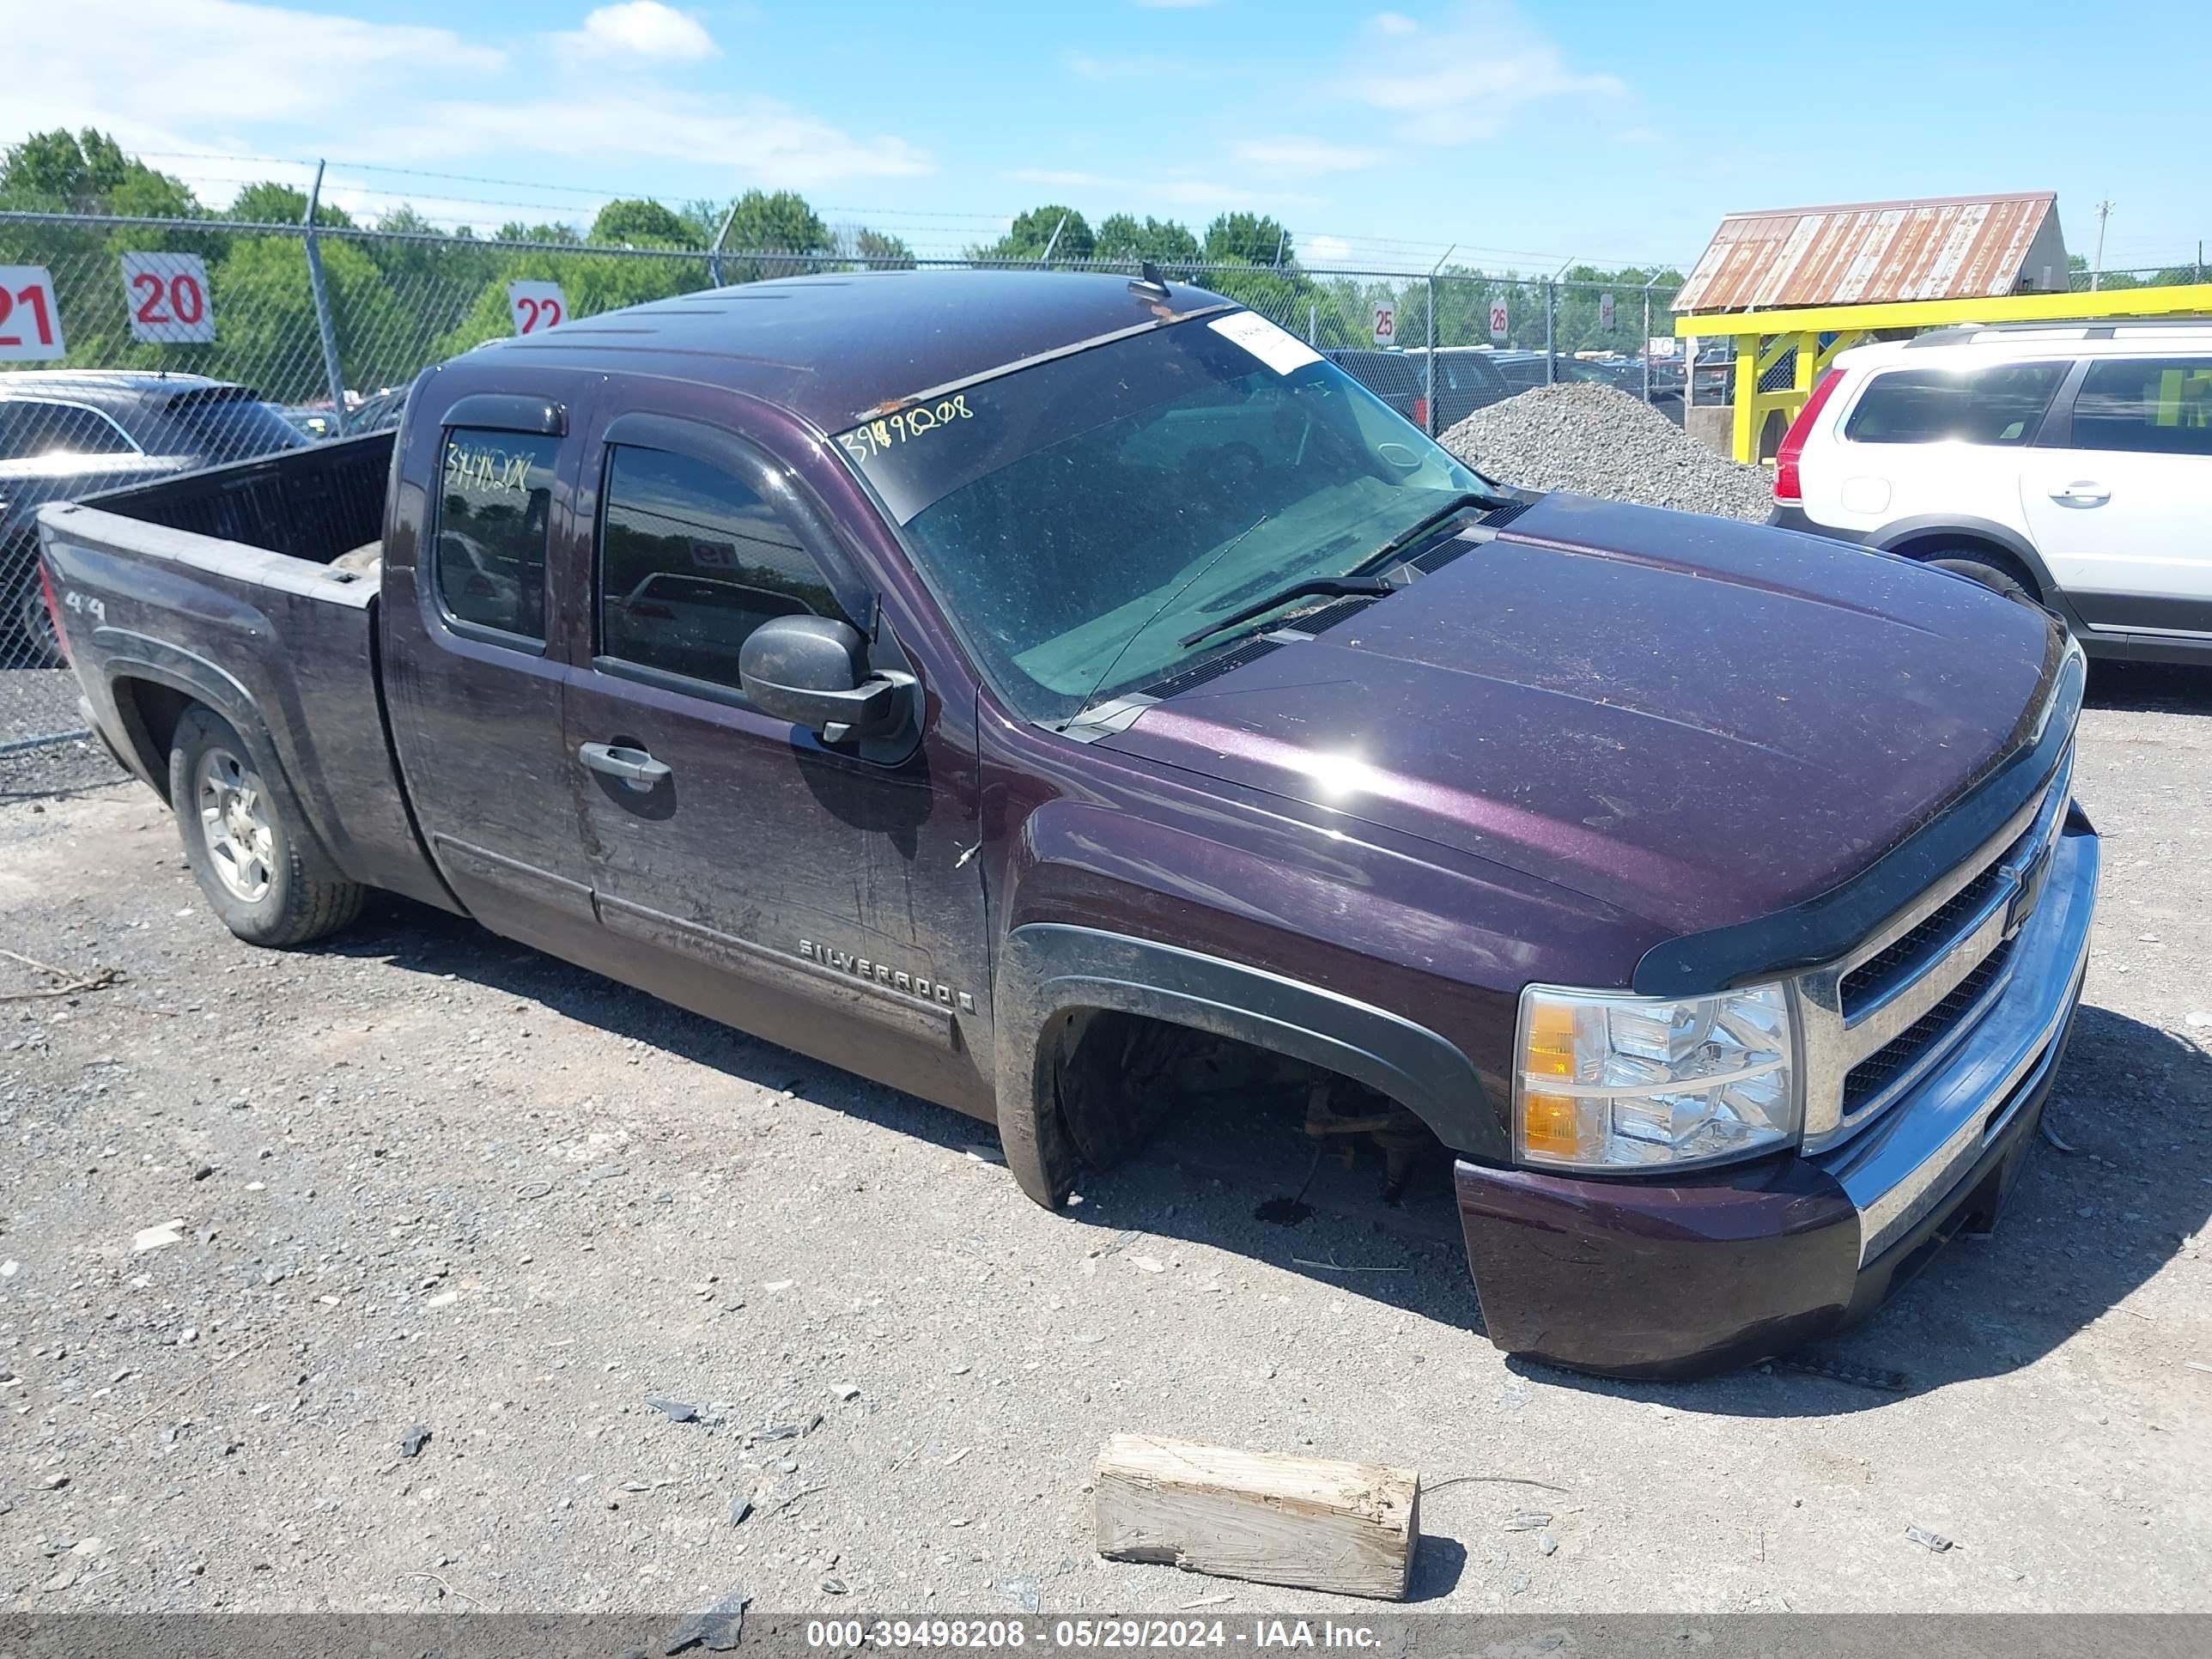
2071 464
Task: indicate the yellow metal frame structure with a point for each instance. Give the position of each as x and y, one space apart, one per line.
1763 339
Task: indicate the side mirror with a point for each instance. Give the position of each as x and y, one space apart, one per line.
813 672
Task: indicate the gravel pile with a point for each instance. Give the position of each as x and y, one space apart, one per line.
1594 440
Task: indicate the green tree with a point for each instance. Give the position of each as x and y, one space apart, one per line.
642 223
87 171
880 250
515 231
1033 232
62 167
784 223
1251 239
269 203
1164 241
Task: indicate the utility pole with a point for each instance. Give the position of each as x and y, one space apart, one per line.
2097 270
1054 242
320 293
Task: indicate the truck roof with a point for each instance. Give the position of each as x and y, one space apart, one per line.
837 348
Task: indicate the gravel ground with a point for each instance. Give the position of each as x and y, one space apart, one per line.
1596 441
449 1215
36 702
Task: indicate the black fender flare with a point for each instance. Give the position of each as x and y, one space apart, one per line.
1049 969
1894 535
123 654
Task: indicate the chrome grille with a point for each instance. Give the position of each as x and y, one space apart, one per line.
1875 1021
1899 965
1923 1042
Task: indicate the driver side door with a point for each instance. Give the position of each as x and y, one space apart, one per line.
805 891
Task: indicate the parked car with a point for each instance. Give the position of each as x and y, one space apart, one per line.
1466 381
377 411
1145 707
66 432
2066 465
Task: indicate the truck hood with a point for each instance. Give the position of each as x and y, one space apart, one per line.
1697 721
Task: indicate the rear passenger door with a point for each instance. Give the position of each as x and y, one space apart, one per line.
475 664
812 895
2120 502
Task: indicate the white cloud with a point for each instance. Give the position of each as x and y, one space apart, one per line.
1063 179
1305 155
758 139
1211 196
209 78
1472 80
1392 22
647 30
178 76
1084 67
1324 250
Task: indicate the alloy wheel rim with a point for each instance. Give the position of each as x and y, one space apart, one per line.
241 841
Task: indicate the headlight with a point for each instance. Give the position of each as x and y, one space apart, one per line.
1609 1082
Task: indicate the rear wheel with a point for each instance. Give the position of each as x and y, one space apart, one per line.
41 647
243 853
1992 569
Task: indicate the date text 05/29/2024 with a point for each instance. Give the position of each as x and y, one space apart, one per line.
836 1635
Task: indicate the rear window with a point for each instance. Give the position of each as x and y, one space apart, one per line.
495 512
2154 405
231 424
2001 404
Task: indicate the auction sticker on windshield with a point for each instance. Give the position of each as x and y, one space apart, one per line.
1281 351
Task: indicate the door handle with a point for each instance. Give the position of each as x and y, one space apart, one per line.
2083 492
632 766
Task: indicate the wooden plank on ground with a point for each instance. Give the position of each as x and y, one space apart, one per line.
1311 1522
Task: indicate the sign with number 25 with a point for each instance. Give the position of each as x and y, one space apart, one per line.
30 321
537 305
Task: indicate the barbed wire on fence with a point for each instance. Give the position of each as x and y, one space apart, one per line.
256 345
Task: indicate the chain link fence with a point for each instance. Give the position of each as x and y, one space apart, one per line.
147 346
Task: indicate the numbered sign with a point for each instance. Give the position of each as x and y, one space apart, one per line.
1605 313
1497 329
167 294
1386 325
537 307
30 321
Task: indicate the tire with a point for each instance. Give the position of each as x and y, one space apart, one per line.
1993 576
244 853
35 645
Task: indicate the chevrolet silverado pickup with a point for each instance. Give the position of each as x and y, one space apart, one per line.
1008 685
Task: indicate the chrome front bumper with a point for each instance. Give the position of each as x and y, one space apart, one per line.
1916 1155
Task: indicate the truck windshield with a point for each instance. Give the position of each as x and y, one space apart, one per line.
1080 517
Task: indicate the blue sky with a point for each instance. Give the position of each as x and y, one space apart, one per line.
1610 131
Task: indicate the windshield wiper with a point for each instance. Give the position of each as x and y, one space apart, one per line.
1304 587
1351 582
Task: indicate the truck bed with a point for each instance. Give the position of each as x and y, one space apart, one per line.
216 586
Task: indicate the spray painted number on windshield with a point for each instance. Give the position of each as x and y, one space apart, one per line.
864 443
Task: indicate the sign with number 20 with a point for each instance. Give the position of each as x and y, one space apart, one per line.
168 298
30 321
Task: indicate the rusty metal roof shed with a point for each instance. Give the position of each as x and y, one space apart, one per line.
1961 247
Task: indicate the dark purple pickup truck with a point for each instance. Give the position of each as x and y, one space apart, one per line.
1006 685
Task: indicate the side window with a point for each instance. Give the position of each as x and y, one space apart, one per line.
2155 405
29 430
495 514
691 561
2001 404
